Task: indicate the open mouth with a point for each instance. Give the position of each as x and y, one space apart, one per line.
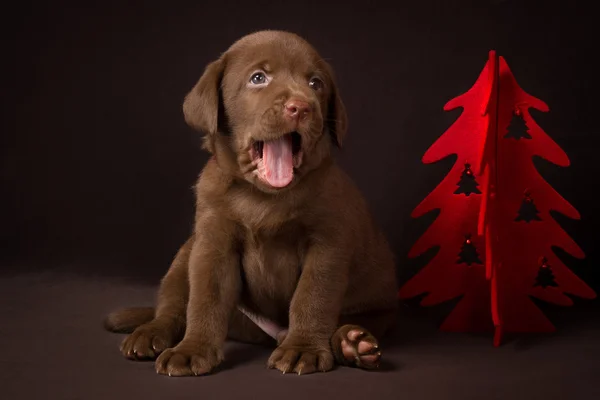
276 159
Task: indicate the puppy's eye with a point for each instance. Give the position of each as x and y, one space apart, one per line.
258 78
316 84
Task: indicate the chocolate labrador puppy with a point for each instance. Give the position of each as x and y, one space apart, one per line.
284 249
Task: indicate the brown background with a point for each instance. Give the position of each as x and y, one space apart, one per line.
97 162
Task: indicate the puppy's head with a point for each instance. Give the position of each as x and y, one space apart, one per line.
269 109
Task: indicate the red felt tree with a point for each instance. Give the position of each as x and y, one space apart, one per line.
494 231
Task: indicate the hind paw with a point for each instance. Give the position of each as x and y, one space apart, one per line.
146 342
355 346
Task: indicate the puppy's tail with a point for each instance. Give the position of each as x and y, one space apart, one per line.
127 319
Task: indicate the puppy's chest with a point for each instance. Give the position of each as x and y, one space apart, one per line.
272 263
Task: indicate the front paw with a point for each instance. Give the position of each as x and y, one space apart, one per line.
301 358
187 359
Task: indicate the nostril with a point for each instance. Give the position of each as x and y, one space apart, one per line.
292 109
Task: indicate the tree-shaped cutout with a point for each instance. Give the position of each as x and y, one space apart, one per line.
545 276
498 296
517 129
468 253
528 211
467 183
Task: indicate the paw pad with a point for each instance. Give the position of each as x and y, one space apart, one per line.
361 348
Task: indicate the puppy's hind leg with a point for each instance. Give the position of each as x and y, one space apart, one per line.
153 331
128 319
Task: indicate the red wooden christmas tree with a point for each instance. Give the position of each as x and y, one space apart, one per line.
494 230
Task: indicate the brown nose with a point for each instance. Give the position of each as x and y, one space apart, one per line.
296 109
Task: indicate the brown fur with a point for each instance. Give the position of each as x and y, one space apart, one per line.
307 257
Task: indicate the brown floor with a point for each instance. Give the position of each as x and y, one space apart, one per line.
55 348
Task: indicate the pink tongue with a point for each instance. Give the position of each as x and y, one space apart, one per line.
277 159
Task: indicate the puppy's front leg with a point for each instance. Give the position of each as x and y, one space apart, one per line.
314 312
215 284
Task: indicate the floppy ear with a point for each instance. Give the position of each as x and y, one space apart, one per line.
337 119
202 105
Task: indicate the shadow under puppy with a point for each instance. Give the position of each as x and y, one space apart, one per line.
284 249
